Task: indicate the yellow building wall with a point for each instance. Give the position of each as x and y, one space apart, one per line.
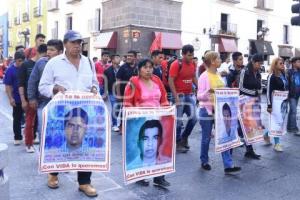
21 6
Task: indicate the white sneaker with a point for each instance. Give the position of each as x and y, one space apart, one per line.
36 141
278 148
30 149
17 142
115 129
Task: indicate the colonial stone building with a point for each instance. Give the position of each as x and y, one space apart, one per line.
140 24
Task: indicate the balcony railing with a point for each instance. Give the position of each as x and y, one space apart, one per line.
37 12
72 1
232 1
93 25
17 21
25 17
52 5
228 29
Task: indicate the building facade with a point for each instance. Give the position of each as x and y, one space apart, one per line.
249 26
4 35
26 18
143 25
83 16
117 26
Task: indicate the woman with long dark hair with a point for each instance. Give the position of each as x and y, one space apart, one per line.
250 85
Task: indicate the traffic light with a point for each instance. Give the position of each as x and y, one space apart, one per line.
295 21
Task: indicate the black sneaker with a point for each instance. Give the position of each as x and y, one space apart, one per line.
294 130
206 167
232 170
143 183
161 181
180 148
185 143
252 155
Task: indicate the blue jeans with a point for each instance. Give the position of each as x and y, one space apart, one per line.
40 118
292 117
101 89
206 123
276 139
187 106
115 109
170 98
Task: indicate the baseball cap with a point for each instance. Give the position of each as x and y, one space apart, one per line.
72 36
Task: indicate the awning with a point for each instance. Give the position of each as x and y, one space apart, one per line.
227 45
106 40
164 40
285 51
258 46
297 52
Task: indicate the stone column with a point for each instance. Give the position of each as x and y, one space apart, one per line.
4 184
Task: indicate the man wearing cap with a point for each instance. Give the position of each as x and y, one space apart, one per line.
73 72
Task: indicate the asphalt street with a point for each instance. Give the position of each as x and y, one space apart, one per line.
275 176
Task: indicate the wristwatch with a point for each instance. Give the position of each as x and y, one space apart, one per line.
94 88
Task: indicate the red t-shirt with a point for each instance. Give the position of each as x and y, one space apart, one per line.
30 52
100 68
183 78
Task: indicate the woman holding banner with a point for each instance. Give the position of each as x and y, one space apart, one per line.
208 81
276 81
250 85
146 90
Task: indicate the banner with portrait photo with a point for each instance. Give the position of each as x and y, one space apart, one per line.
250 119
148 142
278 117
226 120
75 134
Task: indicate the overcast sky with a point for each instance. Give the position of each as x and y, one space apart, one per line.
3 7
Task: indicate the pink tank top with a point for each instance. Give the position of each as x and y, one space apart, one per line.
150 97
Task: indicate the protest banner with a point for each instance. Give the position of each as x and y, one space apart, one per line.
226 119
250 119
75 134
278 116
148 142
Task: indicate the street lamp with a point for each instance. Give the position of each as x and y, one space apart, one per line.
261 36
25 34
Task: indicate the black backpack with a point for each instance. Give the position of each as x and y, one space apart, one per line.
169 66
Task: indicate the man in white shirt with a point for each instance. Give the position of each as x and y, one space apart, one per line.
224 70
73 72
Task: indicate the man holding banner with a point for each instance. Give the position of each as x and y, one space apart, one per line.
70 71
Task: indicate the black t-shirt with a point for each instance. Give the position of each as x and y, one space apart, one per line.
24 74
124 74
158 71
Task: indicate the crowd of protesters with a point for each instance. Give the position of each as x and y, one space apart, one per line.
36 74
